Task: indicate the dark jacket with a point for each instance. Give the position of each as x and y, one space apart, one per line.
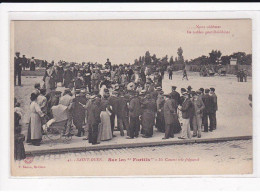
113 101
104 104
122 107
134 107
148 113
169 112
79 111
176 96
93 114
209 104
215 99
187 109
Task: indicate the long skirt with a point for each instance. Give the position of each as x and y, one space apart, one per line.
106 133
160 123
19 152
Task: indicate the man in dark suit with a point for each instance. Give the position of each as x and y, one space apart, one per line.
93 119
175 95
208 111
17 68
24 62
169 114
215 99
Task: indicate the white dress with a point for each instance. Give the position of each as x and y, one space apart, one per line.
106 133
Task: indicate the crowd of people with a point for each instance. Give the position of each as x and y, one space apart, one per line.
98 100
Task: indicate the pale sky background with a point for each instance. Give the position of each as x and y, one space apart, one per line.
122 41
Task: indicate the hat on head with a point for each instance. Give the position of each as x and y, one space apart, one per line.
57 92
77 91
189 88
143 91
37 85
183 90
158 88
198 91
83 91
206 91
212 89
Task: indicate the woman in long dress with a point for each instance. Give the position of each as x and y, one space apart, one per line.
49 79
106 133
35 121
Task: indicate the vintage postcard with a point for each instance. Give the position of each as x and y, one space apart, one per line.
131 97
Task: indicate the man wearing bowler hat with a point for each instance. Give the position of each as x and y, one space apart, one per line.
17 68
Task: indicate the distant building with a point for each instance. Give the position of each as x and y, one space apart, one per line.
233 61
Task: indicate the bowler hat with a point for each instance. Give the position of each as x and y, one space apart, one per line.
183 90
212 89
206 91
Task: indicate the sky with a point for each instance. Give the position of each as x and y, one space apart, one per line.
122 41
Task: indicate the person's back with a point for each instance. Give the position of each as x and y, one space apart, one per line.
209 103
134 107
113 101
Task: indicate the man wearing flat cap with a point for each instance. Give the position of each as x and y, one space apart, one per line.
17 69
175 95
198 113
78 111
208 111
213 94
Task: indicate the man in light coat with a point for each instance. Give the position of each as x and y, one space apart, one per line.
198 110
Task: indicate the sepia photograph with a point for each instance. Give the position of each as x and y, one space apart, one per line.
131 97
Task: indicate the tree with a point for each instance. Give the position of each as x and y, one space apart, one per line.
214 56
142 60
242 58
179 53
248 59
155 60
225 60
147 58
171 60
136 62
